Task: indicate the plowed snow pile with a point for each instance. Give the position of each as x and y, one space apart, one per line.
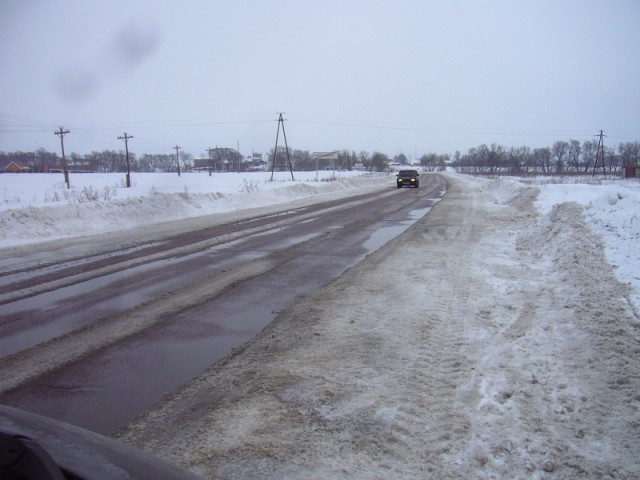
488 341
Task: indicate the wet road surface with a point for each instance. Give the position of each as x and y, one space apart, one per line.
173 307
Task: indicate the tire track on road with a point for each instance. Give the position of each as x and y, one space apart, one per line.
163 250
63 350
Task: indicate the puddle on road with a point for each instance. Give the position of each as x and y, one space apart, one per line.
382 234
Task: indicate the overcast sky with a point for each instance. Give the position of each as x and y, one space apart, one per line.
392 76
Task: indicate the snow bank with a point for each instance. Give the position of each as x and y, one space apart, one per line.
37 207
613 212
611 207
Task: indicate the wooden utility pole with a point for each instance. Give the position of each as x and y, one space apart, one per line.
275 150
126 149
62 132
239 156
600 154
177 148
210 150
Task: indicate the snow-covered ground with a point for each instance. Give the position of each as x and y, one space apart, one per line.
497 338
612 209
36 207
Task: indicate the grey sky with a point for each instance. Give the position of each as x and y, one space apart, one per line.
393 76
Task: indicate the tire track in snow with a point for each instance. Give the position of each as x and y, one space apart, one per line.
429 422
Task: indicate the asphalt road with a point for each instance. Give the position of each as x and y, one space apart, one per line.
95 339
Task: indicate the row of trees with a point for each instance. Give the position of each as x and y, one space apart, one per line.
105 161
217 159
561 158
303 160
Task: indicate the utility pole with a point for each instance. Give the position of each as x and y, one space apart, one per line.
62 132
275 150
177 148
210 150
126 149
600 154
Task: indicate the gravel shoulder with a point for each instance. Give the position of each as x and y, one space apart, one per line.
487 341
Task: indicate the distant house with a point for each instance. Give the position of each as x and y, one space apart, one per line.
16 167
255 162
221 159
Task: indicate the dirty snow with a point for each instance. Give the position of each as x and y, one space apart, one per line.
497 338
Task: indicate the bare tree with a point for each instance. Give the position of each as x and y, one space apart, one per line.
379 162
346 159
629 153
429 161
492 158
281 163
574 154
45 160
589 153
517 159
542 158
560 150
401 159
302 160
186 160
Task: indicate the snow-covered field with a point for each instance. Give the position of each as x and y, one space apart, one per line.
497 338
36 207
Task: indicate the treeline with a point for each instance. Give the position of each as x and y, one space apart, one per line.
216 160
105 161
303 160
561 158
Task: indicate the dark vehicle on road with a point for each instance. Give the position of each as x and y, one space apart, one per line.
408 178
